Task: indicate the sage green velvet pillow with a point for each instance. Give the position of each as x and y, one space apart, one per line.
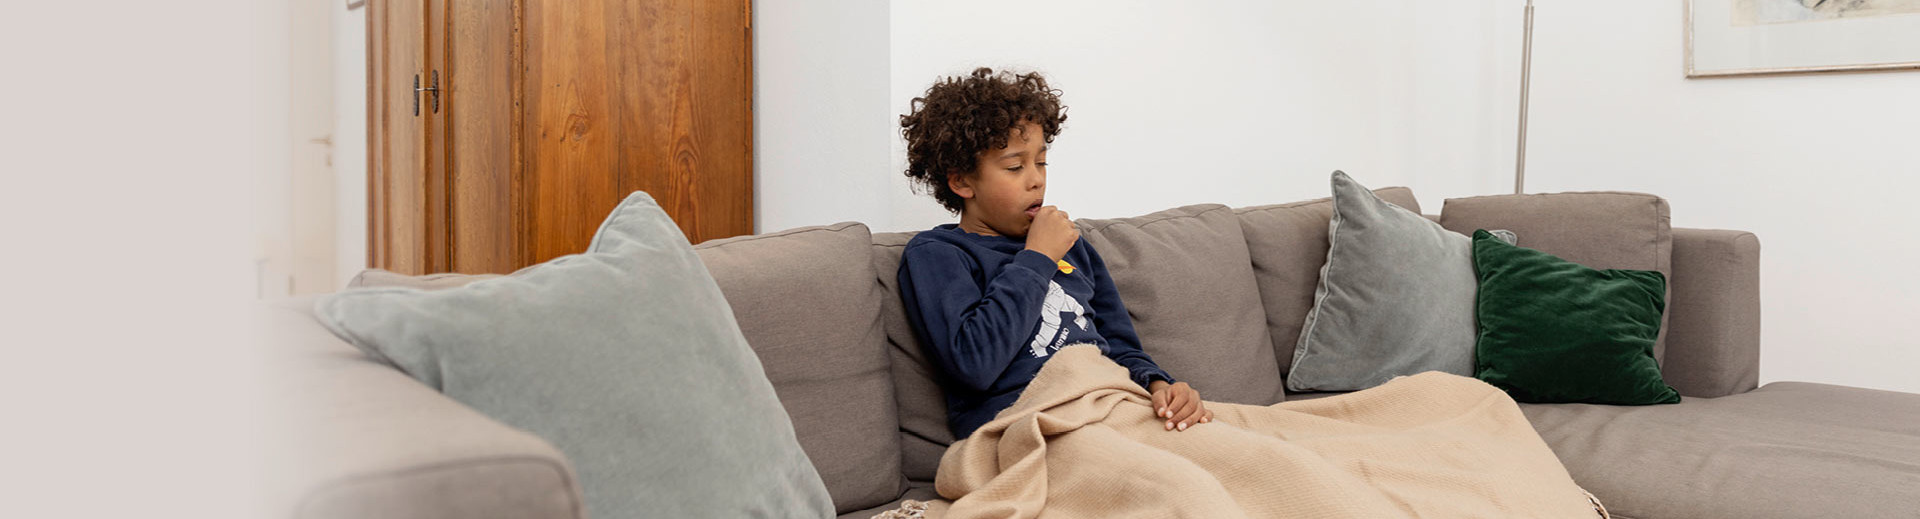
626 357
1555 331
1392 300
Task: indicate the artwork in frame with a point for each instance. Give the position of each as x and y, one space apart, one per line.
1746 37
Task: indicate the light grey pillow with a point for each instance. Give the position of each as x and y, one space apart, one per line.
1396 297
626 357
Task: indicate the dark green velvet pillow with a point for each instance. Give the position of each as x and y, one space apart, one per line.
1554 331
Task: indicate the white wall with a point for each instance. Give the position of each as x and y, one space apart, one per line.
349 159
131 141
1243 102
1233 102
1824 168
820 112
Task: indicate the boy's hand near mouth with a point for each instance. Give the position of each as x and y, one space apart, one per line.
1052 233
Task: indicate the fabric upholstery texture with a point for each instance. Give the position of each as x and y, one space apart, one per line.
916 492
1287 244
807 305
923 431
356 438
1187 280
626 357
1552 330
1603 230
1790 449
811 347
1713 316
1395 298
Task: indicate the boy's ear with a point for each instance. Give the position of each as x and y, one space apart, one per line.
961 184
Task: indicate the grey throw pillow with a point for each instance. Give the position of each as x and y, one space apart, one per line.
1395 298
626 357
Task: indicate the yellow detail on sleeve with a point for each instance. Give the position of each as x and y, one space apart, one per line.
1064 267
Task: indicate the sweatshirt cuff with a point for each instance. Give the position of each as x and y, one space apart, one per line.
1146 379
1036 261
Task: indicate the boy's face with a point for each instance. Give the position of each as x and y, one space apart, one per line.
1006 187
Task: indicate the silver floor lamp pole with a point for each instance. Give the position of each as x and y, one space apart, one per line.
1526 71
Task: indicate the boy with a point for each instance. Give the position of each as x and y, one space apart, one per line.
994 295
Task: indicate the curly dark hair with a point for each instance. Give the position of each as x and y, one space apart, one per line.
959 117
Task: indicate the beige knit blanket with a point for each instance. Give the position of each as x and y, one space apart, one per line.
1083 442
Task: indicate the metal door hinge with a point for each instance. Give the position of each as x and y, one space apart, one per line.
433 89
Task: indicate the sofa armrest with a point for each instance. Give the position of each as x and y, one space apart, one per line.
1713 335
351 437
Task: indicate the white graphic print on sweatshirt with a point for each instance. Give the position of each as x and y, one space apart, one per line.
1050 337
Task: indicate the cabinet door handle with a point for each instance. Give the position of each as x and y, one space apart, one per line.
434 89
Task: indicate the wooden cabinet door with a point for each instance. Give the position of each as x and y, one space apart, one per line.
636 95
483 207
396 136
536 117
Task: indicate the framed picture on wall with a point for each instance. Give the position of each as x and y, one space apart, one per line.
1746 37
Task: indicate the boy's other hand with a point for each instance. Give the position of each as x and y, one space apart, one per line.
1178 404
1052 233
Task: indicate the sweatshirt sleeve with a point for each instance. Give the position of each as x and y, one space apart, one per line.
1110 317
975 331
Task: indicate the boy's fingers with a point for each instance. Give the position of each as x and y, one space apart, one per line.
1173 406
1160 404
1188 413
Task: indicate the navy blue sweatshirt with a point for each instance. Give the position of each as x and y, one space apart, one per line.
991 313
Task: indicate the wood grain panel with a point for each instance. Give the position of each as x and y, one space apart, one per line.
479 110
552 111
568 141
722 105
437 181
399 162
617 105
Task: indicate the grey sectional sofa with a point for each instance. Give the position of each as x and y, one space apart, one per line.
1217 295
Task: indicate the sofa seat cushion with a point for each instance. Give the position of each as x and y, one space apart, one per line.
808 306
1789 449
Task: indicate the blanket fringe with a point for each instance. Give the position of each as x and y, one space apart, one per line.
909 509
1597 507
914 509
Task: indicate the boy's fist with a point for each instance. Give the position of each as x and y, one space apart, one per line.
1179 405
1052 233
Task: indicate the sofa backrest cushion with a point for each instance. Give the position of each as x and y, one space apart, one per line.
807 304
1187 282
1287 245
1601 230
924 435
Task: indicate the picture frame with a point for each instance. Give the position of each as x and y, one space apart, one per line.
1771 37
